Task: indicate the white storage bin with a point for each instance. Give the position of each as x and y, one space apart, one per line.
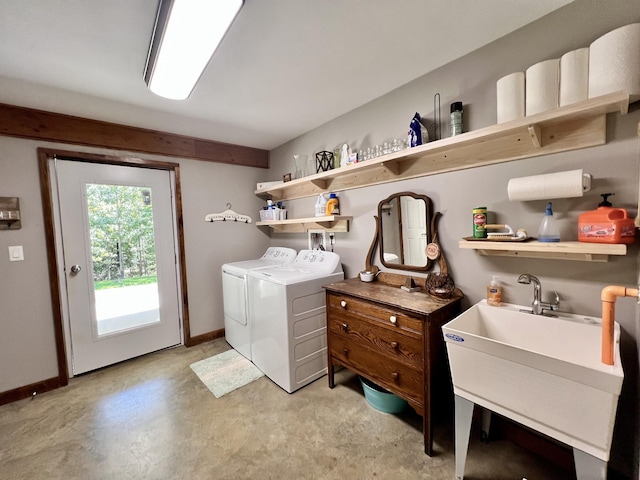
273 214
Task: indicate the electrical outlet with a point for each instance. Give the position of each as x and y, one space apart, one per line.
317 239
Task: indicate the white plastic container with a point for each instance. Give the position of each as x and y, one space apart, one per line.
321 206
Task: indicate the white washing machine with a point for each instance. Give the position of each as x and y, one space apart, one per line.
288 318
237 330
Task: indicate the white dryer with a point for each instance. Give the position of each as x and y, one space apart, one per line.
288 318
237 330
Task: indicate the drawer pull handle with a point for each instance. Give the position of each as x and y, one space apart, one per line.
343 304
393 319
395 376
346 352
345 327
394 345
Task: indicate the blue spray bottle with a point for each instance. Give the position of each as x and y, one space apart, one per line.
548 231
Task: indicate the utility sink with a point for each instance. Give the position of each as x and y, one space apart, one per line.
544 372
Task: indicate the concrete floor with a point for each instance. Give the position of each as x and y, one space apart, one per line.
152 418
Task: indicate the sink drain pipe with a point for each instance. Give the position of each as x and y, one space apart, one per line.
609 296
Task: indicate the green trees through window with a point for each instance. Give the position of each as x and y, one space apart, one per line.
121 233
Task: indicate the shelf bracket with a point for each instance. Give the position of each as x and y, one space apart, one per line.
333 226
392 166
321 183
535 133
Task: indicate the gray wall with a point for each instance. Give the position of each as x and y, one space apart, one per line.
472 80
27 351
27 348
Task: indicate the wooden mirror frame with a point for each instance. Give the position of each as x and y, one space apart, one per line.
377 239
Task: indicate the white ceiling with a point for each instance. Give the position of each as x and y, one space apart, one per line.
284 68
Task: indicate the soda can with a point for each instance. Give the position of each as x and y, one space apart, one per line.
479 222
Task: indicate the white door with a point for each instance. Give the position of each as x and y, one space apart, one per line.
414 231
119 251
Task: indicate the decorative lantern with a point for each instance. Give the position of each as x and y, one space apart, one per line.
324 161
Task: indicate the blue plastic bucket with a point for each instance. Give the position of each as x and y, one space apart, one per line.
382 399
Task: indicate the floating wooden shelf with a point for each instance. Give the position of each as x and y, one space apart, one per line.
573 127
332 223
588 252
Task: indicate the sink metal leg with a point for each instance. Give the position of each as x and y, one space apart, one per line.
486 424
464 414
589 467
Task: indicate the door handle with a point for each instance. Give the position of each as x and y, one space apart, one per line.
75 269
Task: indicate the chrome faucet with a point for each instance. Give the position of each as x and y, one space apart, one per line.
538 306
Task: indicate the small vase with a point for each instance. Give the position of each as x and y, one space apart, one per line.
300 162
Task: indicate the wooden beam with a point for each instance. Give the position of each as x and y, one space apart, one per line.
55 127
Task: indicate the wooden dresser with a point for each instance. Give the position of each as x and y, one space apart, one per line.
393 338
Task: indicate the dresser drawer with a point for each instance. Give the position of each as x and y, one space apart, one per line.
398 320
391 337
397 346
392 375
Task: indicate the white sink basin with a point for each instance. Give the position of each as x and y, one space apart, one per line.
541 371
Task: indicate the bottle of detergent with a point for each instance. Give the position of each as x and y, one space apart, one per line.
549 231
333 205
606 224
321 205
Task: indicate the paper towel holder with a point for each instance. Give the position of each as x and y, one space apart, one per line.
574 183
586 182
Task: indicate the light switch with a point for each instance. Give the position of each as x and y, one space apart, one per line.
16 254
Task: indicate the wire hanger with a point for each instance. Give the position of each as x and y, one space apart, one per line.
227 216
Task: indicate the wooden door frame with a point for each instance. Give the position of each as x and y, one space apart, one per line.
44 155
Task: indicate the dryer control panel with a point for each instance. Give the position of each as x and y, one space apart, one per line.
319 260
279 255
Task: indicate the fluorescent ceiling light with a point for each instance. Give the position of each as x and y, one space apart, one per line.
185 37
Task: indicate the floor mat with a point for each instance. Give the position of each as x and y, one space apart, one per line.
226 372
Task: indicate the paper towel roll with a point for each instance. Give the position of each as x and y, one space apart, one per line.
614 63
574 76
542 86
572 183
510 97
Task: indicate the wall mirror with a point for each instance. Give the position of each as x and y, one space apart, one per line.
403 231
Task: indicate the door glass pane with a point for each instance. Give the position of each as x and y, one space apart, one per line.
123 257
